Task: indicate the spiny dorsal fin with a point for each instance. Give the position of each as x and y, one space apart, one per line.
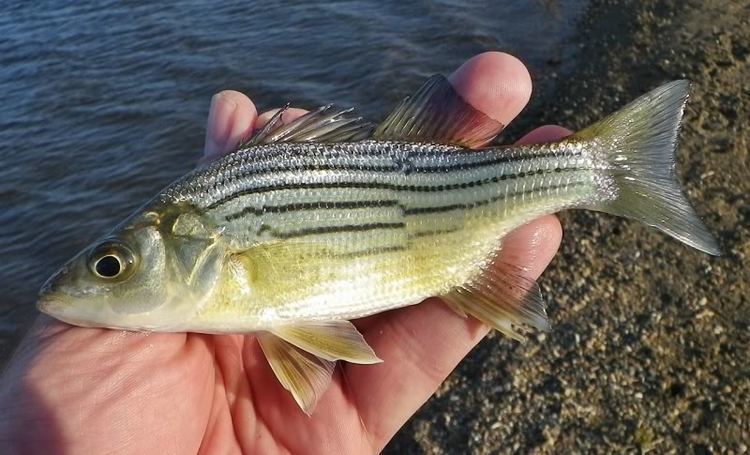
304 375
325 124
503 298
437 113
329 340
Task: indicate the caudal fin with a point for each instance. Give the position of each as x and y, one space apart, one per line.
640 141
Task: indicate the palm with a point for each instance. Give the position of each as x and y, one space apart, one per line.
97 389
211 393
204 393
250 411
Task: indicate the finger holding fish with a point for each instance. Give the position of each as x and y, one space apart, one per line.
230 119
494 83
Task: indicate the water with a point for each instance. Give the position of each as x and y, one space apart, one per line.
102 105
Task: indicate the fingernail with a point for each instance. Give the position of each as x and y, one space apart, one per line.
219 124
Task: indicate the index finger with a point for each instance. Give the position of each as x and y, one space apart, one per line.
230 120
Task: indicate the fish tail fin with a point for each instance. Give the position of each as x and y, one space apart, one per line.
640 141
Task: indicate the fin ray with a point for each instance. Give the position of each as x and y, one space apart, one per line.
502 297
304 375
273 123
437 113
326 124
640 140
329 340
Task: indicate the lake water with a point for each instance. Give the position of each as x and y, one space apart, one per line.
102 105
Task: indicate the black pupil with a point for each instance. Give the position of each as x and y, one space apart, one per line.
108 266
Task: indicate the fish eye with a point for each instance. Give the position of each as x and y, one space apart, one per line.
112 260
108 266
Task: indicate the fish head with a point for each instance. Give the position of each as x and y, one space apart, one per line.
145 275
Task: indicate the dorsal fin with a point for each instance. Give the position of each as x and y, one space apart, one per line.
325 124
437 113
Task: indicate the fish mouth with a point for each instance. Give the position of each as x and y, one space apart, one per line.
47 302
49 305
57 308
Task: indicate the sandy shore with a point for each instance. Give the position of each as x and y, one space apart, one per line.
650 349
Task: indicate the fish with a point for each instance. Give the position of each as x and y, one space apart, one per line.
309 225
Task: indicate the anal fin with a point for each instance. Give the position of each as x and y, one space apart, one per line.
503 298
304 375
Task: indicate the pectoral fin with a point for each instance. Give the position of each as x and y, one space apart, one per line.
503 298
304 375
330 340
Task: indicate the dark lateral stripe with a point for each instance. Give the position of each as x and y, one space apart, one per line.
377 186
405 167
368 252
375 149
307 206
344 185
472 205
360 253
433 232
407 211
398 225
329 229
447 208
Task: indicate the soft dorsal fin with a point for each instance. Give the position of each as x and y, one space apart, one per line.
325 124
437 113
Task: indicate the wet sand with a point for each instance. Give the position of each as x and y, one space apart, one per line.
650 347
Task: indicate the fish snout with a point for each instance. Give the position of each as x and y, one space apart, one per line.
47 301
51 285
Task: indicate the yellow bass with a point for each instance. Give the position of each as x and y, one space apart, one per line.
330 218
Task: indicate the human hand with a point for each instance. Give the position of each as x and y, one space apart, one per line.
85 390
